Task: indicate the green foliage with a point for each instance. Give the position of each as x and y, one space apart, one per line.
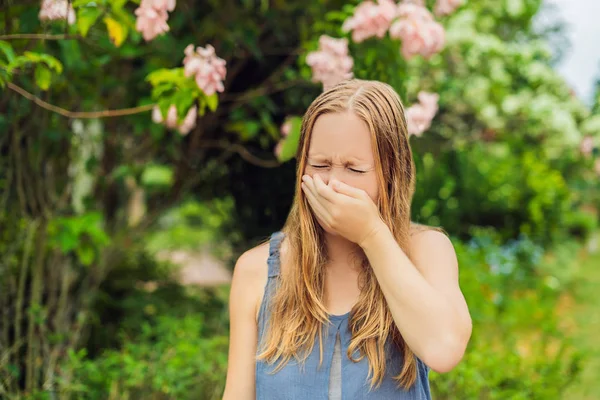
174 358
518 349
290 143
193 225
494 186
83 235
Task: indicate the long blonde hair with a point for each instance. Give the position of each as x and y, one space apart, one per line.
297 312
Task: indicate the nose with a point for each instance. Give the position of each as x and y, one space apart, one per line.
331 173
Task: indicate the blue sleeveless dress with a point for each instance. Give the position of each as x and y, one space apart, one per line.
312 382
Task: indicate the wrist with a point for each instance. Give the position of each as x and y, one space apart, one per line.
374 235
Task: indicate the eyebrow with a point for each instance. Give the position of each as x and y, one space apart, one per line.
349 159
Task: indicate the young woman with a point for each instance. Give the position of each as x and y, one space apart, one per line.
350 300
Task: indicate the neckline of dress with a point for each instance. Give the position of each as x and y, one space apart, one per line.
338 317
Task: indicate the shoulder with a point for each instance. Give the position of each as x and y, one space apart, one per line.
430 247
423 237
250 276
253 261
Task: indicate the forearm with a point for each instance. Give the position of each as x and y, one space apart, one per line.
432 325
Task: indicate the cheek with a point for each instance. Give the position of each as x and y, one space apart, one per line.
373 193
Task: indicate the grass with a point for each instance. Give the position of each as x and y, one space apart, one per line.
586 314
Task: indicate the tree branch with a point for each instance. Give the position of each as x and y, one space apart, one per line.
79 114
40 36
242 151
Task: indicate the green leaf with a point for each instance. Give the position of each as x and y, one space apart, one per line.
165 75
160 89
164 105
157 175
246 129
7 50
290 144
212 102
116 31
183 100
86 17
83 3
201 106
43 77
514 7
117 4
85 254
35 58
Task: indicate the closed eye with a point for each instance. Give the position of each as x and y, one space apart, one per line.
319 166
357 171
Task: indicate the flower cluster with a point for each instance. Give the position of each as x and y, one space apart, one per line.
208 69
57 10
445 7
152 17
420 115
370 19
330 64
188 123
418 30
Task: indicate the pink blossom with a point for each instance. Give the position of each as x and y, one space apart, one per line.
209 70
188 123
152 17
370 20
419 32
286 128
53 10
168 5
420 115
587 145
445 7
330 64
278 148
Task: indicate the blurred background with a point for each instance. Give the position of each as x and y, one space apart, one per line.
145 145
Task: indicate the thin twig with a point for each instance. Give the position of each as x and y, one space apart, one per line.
40 36
78 114
242 151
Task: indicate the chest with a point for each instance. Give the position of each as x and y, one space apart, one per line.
312 379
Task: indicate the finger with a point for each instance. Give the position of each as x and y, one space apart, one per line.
311 185
324 190
317 207
342 188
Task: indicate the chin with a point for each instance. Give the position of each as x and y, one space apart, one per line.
327 230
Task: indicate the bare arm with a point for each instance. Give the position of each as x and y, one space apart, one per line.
424 297
249 276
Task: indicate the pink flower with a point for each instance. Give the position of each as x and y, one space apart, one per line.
152 17
168 5
209 70
53 10
587 145
188 123
420 115
286 128
330 64
419 32
278 148
370 20
445 7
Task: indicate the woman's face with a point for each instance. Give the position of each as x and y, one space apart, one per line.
340 148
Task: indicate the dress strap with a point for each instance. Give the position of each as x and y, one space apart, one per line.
274 246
